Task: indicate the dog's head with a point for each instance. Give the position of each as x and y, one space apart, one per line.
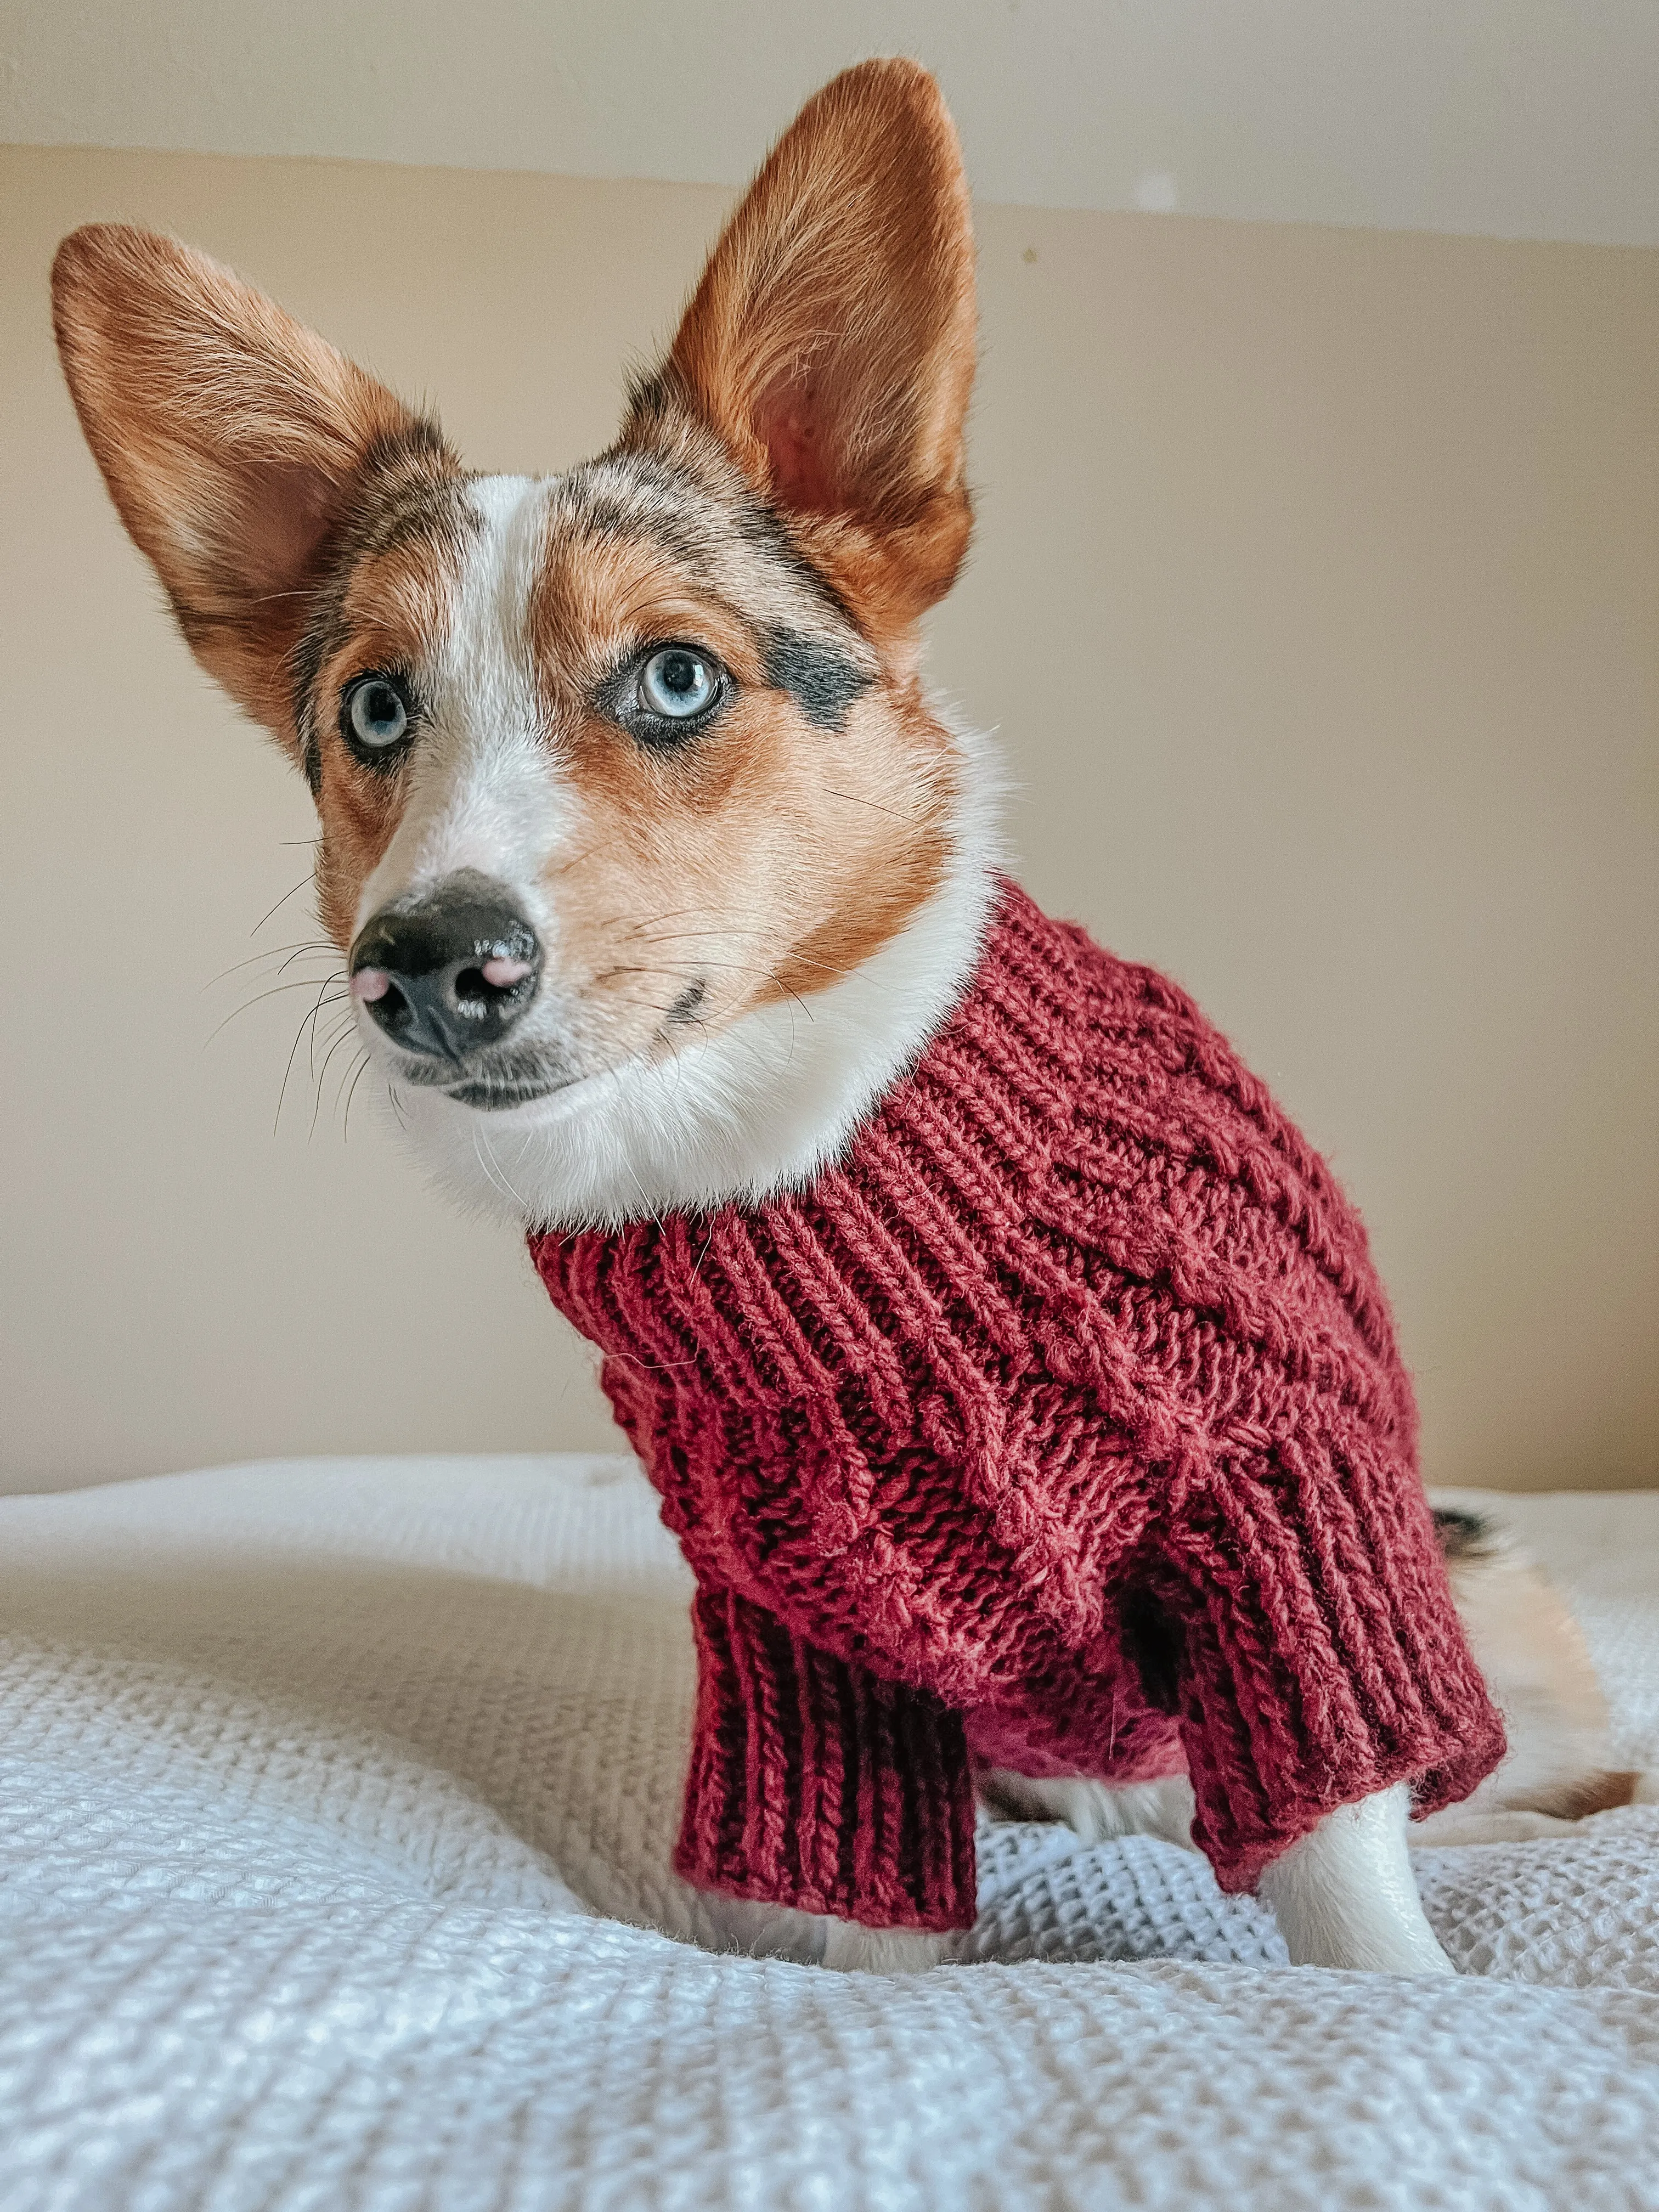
622 770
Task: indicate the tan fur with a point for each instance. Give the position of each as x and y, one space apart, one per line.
233 442
1559 1766
831 343
675 883
763 863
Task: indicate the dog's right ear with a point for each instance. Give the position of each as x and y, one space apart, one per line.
233 440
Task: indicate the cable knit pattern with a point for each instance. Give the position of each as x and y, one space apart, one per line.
1060 1425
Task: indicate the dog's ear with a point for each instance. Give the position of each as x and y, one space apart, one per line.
831 343
233 440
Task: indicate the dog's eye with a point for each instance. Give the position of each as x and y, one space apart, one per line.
679 684
376 716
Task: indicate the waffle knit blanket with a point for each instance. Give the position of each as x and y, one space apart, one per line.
336 1806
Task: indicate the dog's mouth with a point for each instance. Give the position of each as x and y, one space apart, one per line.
492 1083
496 1098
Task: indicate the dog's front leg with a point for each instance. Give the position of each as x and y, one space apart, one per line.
813 1779
1345 1895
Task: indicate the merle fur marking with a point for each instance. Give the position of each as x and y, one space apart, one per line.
820 677
410 486
1464 1535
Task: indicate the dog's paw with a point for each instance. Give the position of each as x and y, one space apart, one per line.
812 1939
852 1949
1344 1894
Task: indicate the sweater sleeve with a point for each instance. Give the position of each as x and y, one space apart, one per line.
1317 1656
814 1784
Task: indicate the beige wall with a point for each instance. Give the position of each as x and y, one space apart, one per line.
1314 600
1509 118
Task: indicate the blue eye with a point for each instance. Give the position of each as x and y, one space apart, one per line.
679 684
375 714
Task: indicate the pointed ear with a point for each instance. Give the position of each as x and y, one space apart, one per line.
233 442
831 343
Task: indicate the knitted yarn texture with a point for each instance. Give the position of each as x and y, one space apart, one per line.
1060 1425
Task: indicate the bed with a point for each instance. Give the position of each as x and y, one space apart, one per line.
337 1800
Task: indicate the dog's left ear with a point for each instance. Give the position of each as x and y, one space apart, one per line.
831 343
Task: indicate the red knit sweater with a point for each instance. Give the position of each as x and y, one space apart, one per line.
1061 1427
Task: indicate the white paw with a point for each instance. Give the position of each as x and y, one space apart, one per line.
810 1939
853 1949
1345 1896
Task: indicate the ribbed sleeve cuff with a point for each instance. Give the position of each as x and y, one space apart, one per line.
1322 1660
814 1785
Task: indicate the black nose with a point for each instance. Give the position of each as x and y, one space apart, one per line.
443 975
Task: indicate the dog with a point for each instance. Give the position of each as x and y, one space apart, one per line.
654 865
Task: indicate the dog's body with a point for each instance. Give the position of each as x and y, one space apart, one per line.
655 866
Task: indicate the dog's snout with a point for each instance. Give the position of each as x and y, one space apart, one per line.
447 973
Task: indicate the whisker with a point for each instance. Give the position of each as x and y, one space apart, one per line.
677 936
697 1264
492 1168
282 902
328 1062
270 952
343 1021
672 915
854 798
293 1049
363 1068
299 951
674 936
299 983
735 967
650 1209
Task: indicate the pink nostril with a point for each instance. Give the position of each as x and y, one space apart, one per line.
501 974
369 984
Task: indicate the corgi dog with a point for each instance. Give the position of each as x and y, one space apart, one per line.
654 864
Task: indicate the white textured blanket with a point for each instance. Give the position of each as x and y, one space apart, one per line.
336 1802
